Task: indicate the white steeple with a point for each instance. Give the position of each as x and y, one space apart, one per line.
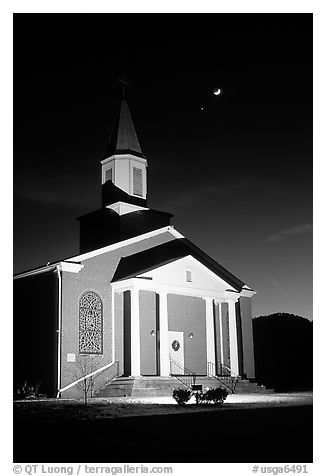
124 163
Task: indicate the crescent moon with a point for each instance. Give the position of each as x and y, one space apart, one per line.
217 91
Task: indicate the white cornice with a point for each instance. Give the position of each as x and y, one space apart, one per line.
124 157
247 292
149 285
71 267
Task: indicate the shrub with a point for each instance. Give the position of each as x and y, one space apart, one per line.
27 390
181 395
216 395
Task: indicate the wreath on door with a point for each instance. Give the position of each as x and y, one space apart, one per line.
175 345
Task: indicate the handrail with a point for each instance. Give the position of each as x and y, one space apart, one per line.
223 374
90 375
185 376
223 370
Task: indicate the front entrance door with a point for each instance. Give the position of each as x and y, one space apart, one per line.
176 351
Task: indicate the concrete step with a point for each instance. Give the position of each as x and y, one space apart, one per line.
163 386
139 386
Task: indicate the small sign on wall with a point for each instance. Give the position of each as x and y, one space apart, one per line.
71 357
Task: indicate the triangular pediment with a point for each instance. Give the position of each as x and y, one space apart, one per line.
187 272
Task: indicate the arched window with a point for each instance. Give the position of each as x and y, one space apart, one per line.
90 324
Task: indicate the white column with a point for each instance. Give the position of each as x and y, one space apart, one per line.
135 333
210 341
164 336
233 338
219 307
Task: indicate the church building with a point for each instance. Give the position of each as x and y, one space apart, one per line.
138 303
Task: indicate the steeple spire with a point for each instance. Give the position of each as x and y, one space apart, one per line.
124 138
124 163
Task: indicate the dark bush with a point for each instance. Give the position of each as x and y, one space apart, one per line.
27 390
181 395
213 395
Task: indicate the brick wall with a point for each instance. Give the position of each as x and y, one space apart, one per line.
118 330
95 276
217 331
148 323
225 333
247 337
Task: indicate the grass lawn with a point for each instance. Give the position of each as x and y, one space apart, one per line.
66 431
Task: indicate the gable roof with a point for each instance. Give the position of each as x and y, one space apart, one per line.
99 251
144 261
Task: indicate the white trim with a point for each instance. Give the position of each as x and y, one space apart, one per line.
129 241
43 269
231 295
247 292
179 355
125 157
59 329
123 208
234 362
135 333
72 384
113 324
164 335
108 159
71 267
210 344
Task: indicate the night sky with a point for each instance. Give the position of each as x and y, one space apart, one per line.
234 169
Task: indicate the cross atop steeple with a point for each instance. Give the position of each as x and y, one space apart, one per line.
124 83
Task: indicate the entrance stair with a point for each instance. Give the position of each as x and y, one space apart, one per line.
163 386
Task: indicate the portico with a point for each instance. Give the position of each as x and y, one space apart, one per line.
211 337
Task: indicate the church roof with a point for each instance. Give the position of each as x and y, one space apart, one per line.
112 194
124 138
132 266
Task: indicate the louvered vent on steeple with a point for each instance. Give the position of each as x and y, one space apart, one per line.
137 182
108 174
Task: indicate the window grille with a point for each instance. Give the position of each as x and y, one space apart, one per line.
90 324
137 182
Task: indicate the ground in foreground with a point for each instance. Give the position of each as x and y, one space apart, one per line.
279 430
